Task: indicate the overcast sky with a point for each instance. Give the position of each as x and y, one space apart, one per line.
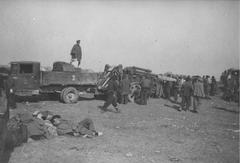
187 37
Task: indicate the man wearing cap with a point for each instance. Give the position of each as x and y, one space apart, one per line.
66 127
76 53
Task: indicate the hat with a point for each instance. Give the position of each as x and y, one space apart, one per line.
53 117
35 113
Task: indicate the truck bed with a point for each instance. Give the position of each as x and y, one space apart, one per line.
68 78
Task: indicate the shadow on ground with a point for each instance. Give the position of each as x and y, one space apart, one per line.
225 109
55 97
176 107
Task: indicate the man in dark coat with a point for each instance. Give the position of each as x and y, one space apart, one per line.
176 88
76 53
167 89
125 89
112 90
145 90
213 86
187 90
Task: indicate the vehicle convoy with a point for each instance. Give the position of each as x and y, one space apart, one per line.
64 79
69 82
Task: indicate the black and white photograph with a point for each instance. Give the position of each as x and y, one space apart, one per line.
119 81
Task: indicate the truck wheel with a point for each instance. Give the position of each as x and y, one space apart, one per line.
135 90
62 94
69 95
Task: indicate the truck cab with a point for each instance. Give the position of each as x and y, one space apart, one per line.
26 77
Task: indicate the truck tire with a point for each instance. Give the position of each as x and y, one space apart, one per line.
135 90
62 94
69 95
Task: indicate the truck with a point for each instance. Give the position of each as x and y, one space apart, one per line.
135 75
64 79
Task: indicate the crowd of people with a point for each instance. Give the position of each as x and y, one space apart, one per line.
173 88
185 90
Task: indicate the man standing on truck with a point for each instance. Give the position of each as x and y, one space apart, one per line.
76 53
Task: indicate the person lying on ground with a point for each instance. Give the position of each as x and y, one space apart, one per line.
37 128
84 128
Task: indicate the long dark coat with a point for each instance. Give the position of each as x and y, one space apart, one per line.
76 52
187 88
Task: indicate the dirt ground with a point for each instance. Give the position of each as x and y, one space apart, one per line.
156 133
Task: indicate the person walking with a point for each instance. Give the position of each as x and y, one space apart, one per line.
112 89
76 53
